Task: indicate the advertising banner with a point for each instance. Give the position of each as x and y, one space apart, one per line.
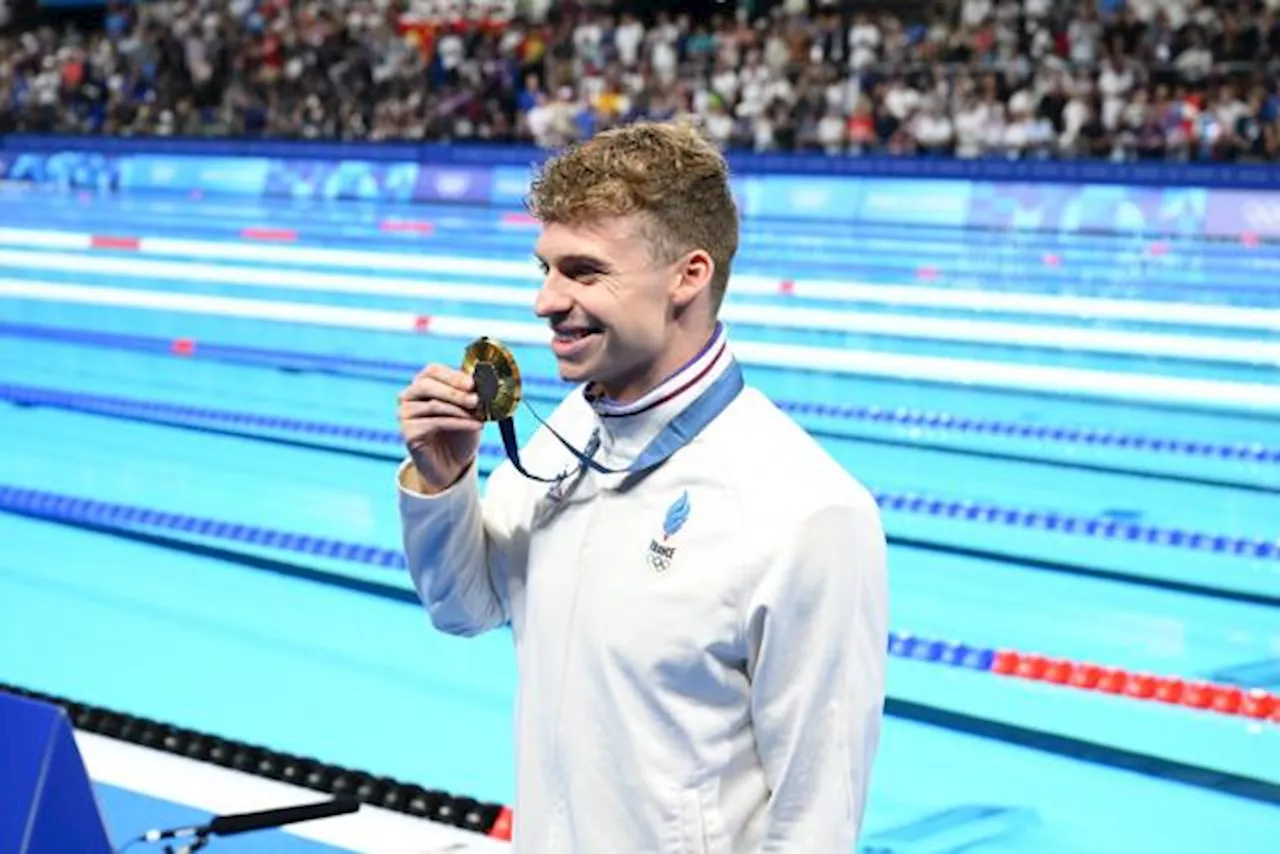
1233 213
800 198
509 185
176 173
354 180
453 184
906 201
67 170
1095 208
1000 205
910 201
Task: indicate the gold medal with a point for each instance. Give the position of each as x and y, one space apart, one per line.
492 367
497 377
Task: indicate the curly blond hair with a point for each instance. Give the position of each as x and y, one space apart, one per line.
667 173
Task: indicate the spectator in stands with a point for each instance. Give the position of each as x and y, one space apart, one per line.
1118 79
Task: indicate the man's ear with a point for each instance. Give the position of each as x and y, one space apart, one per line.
695 271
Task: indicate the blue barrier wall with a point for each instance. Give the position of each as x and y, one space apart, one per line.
1140 198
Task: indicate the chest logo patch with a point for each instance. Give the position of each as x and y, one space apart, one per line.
661 552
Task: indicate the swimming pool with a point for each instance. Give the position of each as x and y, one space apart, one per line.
1075 442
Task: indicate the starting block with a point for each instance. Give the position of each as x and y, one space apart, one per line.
49 803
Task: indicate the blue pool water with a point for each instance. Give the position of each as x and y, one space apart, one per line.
289 426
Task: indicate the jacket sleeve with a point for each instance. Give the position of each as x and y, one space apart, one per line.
818 636
461 549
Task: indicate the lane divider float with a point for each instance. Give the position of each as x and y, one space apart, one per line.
526 273
931 420
961 510
895 367
1210 697
1233 350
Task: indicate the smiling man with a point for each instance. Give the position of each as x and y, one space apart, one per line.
699 611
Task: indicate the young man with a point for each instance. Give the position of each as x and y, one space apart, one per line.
701 648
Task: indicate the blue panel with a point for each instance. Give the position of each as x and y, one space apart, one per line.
1051 197
509 185
48 804
232 175
1248 176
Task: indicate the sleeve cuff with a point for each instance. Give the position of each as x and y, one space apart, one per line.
408 482
411 488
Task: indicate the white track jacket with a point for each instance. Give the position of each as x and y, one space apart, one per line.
701 657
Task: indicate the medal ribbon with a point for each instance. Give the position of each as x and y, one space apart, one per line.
677 433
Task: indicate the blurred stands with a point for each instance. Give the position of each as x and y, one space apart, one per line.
1144 79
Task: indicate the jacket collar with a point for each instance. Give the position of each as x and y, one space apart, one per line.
626 428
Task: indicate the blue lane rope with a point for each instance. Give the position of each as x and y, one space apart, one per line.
68 508
50 505
102 514
967 511
1248 452
107 404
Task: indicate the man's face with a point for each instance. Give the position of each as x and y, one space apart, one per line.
609 302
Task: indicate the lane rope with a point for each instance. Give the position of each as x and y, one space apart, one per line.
457 815
321 252
942 421
876 365
1215 697
965 330
961 510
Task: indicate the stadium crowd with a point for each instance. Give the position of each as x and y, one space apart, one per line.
1142 79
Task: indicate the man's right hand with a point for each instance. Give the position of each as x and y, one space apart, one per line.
439 423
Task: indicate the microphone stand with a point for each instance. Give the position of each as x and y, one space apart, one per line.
229 825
